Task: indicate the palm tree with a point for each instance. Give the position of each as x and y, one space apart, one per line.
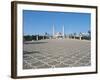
89 32
46 35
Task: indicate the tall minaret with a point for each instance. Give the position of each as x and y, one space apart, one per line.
63 33
53 30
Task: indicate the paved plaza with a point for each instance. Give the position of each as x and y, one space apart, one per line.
56 53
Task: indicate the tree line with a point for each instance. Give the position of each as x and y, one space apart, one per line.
80 36
34 37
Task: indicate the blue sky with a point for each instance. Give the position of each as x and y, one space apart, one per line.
39 22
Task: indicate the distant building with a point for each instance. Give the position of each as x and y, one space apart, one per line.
57 35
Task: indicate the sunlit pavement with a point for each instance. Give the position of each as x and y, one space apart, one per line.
56 53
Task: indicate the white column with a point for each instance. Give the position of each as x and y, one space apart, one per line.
36 37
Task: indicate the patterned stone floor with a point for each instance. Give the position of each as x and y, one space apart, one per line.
56 53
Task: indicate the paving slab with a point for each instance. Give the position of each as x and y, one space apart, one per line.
54 53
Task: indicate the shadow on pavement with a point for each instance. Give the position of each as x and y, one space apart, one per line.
35 42
31 52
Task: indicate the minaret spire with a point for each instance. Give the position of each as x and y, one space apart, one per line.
53 30
63 32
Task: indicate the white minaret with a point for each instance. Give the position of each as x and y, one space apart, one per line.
63 32
53 30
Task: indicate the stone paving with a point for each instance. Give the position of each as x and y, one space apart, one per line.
56 53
